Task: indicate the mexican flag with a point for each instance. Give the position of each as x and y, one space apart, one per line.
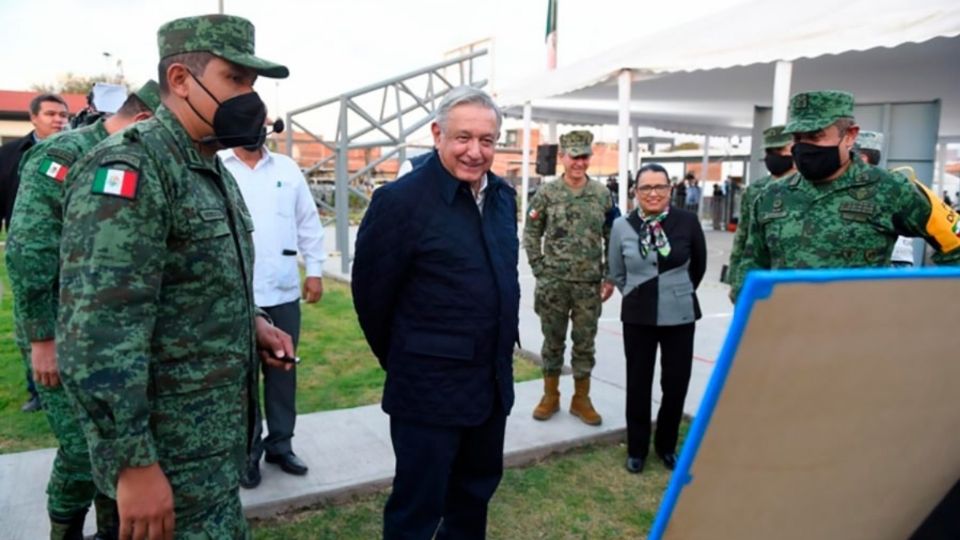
116 182
53 169
551 34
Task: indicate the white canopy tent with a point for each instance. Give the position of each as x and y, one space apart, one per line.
708 76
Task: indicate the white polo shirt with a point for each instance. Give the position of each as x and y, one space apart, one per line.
286 225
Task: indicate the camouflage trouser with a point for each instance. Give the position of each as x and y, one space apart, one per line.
70 489
556 302
221 520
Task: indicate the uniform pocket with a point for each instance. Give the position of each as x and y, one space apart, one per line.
683 290
209 223
198 407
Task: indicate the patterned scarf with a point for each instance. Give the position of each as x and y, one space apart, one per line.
653 235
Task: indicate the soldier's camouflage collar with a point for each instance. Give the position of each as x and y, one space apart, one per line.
184 142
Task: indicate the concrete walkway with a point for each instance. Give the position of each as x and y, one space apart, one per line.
349 450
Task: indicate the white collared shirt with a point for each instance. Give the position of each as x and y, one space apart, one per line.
479 195
286 224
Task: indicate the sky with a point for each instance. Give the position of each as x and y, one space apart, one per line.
330 46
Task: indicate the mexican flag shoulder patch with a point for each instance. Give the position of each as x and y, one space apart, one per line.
52 169
116 182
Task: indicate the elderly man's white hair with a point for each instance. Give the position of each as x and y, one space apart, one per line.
466 95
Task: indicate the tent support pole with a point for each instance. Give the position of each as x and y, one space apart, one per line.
525 163
781 91
706 160
624 81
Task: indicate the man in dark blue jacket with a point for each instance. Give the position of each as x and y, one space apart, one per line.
436 289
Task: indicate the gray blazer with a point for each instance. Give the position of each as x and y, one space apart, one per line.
658 291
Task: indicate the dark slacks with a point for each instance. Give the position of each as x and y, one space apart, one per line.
640 344
279 391
445 477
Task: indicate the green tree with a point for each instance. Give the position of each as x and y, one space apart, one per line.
71 83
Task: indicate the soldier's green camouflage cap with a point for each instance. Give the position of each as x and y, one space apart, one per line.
869 140
149 94
577 143
813 111
226 36
774 137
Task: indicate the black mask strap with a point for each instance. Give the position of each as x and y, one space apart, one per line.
194 109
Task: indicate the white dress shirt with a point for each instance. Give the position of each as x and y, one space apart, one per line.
286 224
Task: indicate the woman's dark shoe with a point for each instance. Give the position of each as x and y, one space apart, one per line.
634 465
669 460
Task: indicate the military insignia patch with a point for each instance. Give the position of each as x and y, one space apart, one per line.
52 169
116 182
534 214
800 102
861 194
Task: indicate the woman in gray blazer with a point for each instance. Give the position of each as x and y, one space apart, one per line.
657 258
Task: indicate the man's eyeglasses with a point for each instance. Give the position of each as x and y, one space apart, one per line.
646 190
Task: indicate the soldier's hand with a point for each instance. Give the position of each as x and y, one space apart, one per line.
43 362
274 343
606 291
313 289
145 504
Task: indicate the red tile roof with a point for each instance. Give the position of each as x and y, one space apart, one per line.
19 101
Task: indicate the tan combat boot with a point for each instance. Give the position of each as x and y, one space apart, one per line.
550 402
580 405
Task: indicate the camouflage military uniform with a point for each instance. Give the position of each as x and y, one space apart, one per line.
565 238
33 250
156 334
850 222
773 137
33 261
156 319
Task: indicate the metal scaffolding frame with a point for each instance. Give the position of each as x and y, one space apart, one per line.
393 124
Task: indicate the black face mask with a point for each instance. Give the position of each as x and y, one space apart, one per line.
778 164
814 162
238 120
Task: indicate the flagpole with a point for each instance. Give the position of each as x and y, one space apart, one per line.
551 34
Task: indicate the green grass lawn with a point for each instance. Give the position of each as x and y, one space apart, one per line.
582 494
338 369
18 431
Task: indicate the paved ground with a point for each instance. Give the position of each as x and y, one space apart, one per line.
349 450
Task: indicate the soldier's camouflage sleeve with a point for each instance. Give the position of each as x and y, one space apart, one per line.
755 254
743 227
112 256
924 214
533 231
33 246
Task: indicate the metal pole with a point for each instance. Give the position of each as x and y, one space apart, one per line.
402 154
781 91
220 6
706 159
289 135
942 167
342 195
551 132
525 163
624 81
634 151
886 122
